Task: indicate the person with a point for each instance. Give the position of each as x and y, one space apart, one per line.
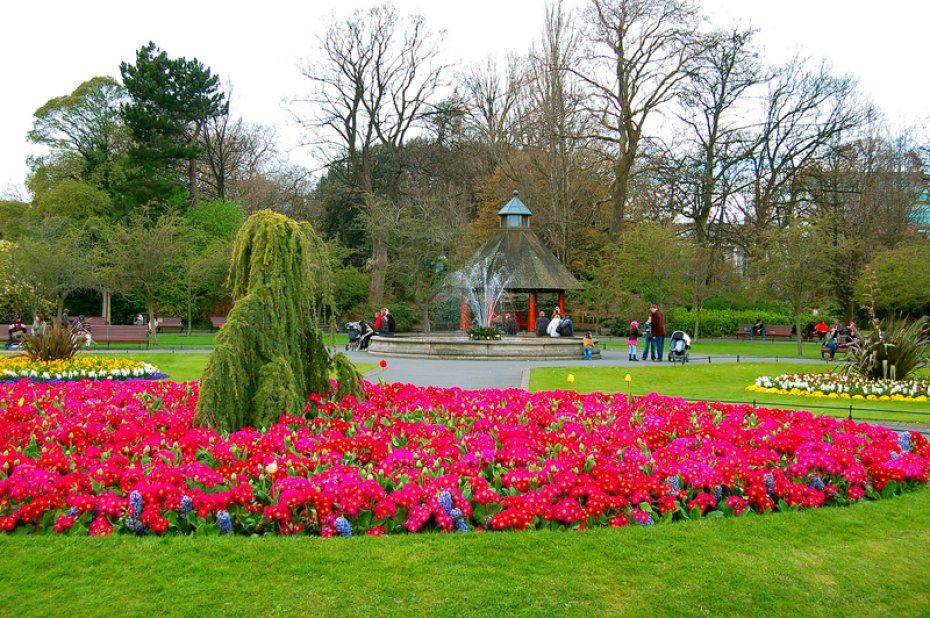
553 329
388 325
541 324
658 332
38 326
65 322
139 320
510 324
647 333
17 332
631 339
378 318
368 331
82 329
831 342
821 329
758 329
567 327
588 344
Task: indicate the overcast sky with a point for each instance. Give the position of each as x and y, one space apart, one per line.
49 48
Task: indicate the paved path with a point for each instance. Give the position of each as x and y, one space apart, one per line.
515 374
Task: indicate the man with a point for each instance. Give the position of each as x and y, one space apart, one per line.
17 331
567 327
541 324
510 324
658 331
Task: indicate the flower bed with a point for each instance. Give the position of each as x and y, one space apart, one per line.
104 457
841 386
77 368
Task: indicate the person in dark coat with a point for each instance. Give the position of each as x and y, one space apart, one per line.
542 323
658 332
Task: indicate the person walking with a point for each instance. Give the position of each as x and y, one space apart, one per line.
658 332
631 339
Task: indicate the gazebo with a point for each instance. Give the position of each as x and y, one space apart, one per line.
526 264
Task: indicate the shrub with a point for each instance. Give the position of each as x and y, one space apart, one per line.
896 355
56 342
483 333
725 322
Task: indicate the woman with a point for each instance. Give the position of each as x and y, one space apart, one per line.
553 329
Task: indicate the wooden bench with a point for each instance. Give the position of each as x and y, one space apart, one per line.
170 324
217 322
95 321
776 331
109 333
841 348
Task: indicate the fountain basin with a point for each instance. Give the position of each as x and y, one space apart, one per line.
459 347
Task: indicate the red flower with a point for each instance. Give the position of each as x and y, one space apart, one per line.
383 363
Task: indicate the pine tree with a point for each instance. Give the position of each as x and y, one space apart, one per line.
269 356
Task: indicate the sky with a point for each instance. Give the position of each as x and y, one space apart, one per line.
49 48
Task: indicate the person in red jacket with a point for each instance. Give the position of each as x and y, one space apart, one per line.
658 332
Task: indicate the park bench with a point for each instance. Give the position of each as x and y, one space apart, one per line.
95 320
170 324
109 333
776 331
217 322
841 348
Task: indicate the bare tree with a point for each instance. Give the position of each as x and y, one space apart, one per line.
371 81
717 134
234 151
640 52
806 109
492 112
556 127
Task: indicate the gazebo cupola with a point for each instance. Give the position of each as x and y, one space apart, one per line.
515 214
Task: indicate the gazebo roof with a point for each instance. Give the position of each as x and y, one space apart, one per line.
515 206
523 261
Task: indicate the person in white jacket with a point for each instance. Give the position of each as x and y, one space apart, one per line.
553 329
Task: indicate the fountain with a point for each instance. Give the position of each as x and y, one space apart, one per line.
514 260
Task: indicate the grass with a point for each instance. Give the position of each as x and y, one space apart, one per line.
188 366
732 347
867 560
716 382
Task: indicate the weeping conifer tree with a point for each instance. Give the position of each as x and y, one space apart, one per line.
270 356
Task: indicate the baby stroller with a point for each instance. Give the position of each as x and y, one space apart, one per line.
354 330
678 347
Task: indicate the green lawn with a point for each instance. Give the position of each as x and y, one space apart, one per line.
732 347
187 366
715 382
866 560
205 340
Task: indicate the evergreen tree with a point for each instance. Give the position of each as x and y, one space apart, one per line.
269 356
170 100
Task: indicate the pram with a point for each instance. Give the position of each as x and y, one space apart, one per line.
678 347
354 331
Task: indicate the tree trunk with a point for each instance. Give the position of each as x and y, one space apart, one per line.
153 326
697 322
797 330
192 181
378 266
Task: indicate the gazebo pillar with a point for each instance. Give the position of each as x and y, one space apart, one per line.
464 314
531 311
562 303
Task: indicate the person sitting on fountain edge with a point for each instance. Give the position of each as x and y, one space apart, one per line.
541 324
567 327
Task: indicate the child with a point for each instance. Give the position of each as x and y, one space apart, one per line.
631 341
588 345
